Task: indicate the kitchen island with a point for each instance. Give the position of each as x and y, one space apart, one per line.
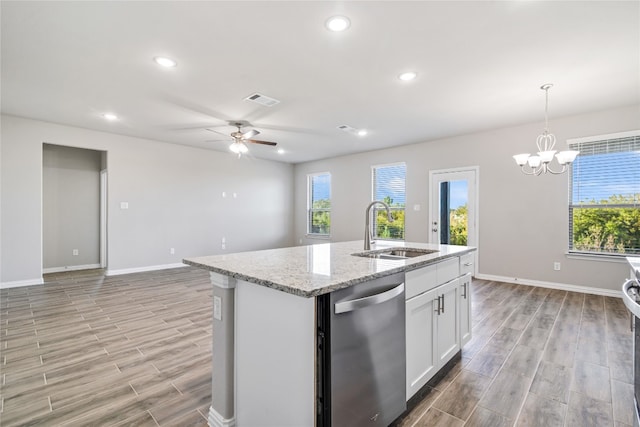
265 322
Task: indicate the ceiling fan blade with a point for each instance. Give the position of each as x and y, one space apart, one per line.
255 141
218 132
250 133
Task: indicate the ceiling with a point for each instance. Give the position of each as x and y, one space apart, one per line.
480 66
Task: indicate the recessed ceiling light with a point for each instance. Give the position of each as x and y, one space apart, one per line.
280 151
362 132
165 62
110 116
337 23
409 75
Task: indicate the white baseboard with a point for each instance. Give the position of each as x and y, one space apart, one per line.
143 269
19 283
70 268
217 420
552 285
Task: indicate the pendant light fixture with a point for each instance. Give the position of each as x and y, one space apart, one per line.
539 164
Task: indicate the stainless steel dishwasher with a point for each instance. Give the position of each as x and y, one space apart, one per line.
361 374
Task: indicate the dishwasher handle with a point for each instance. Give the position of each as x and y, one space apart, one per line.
356 304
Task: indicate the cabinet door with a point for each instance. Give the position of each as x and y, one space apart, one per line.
465 309
420 338
448 322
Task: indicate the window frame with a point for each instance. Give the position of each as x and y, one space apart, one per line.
575 144
377 208
311 210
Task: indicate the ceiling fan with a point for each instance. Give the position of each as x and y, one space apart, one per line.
239 146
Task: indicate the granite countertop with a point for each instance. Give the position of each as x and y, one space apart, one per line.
308 271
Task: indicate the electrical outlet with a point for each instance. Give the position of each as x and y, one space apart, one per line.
172 251
217 308
556 266
75 252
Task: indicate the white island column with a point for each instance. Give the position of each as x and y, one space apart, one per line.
222 410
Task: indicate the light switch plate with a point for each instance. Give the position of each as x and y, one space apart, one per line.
217 308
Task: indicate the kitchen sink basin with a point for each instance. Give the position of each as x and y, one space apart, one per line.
395 253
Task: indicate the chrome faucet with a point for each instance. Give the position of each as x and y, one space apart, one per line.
367 227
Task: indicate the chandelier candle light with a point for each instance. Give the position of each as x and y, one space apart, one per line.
540 164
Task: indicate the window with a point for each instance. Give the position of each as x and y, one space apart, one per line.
604 206
319 204
389 187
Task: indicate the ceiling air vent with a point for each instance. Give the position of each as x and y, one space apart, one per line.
262 100
348 129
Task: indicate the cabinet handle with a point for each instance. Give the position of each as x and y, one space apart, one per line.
437 310
464 289
442 302
468 264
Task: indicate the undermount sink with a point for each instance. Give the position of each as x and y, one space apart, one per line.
395 253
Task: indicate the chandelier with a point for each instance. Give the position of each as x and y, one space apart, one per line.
539 164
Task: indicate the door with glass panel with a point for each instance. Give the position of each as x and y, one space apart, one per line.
453 211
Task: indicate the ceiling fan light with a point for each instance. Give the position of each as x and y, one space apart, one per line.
238 147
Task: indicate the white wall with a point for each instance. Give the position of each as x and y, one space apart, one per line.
174 194
70 207
523 220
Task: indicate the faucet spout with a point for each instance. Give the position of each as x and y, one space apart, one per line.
368 235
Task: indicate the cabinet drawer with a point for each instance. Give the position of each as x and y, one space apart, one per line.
466 263
447 270
421 280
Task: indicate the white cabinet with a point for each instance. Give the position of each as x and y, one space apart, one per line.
447 322
420 335
467 262
438 318
465 309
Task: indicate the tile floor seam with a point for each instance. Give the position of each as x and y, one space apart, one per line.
504 362
544 348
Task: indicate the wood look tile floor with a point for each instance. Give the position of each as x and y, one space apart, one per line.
90 350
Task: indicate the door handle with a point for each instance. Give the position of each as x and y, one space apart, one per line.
355 304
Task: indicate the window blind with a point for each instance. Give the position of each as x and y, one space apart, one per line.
389 186
604 196
606 171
